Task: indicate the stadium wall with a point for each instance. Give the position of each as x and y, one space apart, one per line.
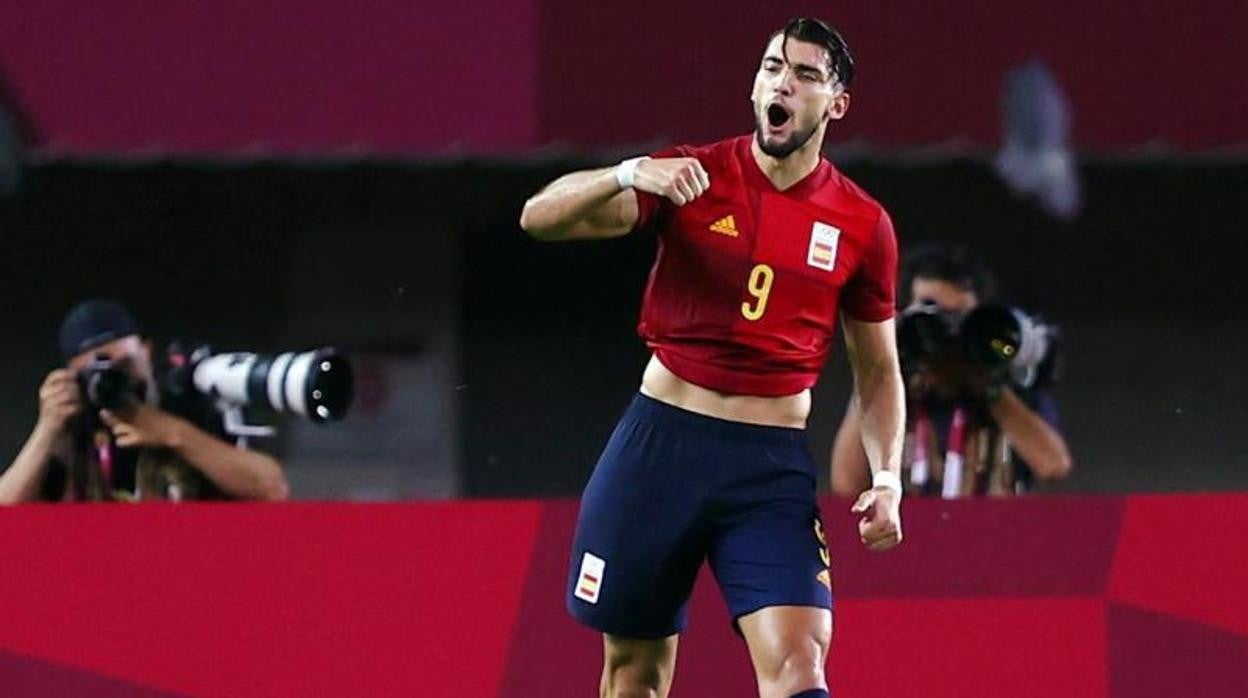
503 76
1095 596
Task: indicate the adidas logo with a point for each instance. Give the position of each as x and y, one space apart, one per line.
725 226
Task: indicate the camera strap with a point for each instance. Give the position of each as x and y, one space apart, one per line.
104 455
955 454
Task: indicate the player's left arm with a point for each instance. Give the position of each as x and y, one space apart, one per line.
868 301
879 396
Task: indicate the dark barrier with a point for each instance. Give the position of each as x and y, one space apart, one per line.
532 345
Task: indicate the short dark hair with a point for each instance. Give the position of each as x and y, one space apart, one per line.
816 31
949 262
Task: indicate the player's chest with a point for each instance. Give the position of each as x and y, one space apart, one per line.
821 243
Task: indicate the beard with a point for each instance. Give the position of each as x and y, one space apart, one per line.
780 150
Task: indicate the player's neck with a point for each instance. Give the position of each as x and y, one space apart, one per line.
785 172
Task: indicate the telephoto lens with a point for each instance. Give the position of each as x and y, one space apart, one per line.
923 331
991 336
994 335
317 385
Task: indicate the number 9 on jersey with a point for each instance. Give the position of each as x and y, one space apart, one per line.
759 286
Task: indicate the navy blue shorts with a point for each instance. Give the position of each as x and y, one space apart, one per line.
674 488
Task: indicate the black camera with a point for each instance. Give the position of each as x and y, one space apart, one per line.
991 337
106 386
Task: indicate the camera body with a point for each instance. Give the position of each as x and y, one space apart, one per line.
992 338
105 385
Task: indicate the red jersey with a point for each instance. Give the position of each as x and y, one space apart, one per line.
745 289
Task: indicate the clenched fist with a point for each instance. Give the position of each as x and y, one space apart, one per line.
880 529
680 179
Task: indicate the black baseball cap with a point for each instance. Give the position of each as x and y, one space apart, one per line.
94 323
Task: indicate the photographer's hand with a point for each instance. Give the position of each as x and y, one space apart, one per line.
942 378
983 383
59 401
142 426
238 472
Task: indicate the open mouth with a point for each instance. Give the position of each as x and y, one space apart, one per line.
777 115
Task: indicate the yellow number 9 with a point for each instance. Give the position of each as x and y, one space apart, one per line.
759 286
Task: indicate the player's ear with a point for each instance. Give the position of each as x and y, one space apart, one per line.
838 106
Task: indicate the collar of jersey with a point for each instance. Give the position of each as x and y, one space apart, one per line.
755 175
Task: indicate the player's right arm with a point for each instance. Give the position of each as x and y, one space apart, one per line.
595 204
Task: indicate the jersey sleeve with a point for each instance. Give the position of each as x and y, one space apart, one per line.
871 294
649 205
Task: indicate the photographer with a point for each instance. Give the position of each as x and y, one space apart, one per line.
83 452
981 417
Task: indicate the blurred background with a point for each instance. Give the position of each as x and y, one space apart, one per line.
279 177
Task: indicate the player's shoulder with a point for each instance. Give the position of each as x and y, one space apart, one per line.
839 191
706 153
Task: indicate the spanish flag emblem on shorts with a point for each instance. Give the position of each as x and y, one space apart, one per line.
589 583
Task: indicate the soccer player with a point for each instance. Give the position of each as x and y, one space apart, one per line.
762 243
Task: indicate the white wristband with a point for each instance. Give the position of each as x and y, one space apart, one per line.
886 478
625 170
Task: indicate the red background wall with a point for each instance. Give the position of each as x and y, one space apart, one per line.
232 75
508 75
928 72
1141 596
